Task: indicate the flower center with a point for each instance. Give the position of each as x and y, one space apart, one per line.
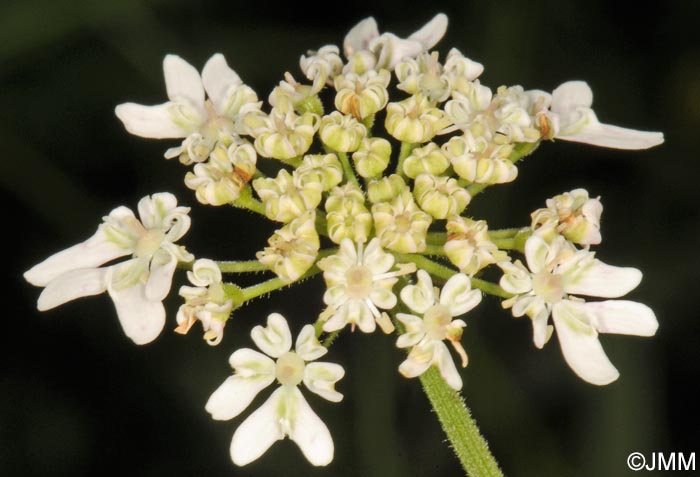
548 286
359 279
403 223
435 321
148 243
289 370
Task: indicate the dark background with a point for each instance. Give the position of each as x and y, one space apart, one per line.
78 398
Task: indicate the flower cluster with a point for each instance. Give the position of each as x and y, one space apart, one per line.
381 210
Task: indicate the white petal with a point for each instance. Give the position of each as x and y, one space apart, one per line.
153 209
615 137
320 378
307 346
219 80
182 80
141 318
600 279
390 50
359 36
236 394
571 95
623 317
311 434
161 275
446 365
580 346
536 253
432 32
91 253
151 121
458 296
71 285
421 296
259 431
275 339
419 359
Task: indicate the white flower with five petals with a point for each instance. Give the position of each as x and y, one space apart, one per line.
137 286
425 335
555 272
286 412
359 283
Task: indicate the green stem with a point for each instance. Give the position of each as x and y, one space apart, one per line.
406 149
241 267
436 238
441 271
349 172
456 420
273 284
505 243
520 150
505 233
247 201
433 250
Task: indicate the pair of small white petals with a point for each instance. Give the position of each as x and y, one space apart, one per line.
457 295
389 48
576 121
185 113
578 324
427 353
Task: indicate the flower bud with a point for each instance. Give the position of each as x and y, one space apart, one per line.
440 196
479 161
362 95
400 225
468 245
574 215
283 135
414 120
373 157
325 169
385 189
346 192
284 198
293 248
341 133
427 159
349 219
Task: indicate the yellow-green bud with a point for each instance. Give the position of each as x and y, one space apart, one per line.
285 199
283 135
440 196
373 157
362 95
479 161
400 225
468 245
341 133
414 120
325 169
349 219
293 249
385 189
339 195
428 159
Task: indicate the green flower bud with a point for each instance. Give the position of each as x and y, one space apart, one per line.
400 225
339 195
480 161
428 159
341 132
373 157
362 95
468 245
349 219
414 120
440 196
293 249
286 199
385 189
325 169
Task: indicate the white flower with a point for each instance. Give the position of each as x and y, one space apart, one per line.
137 286
573 214
206 302
359 283
574 120
556 270
388 48
286 412
187 113
426 334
